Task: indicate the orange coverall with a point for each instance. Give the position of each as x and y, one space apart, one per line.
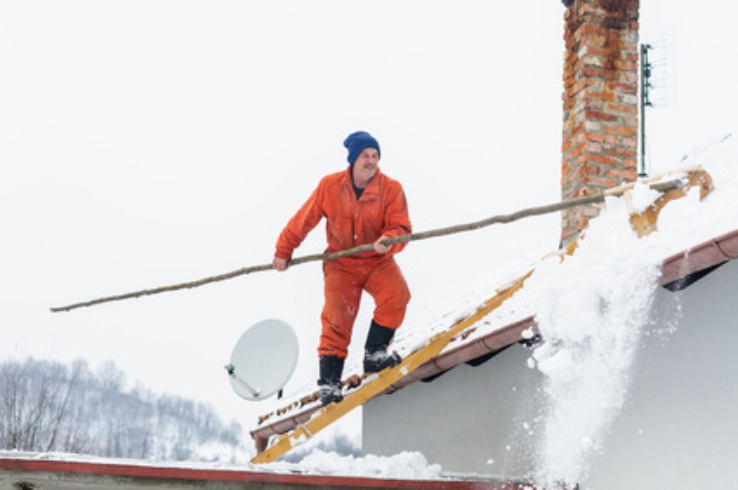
381 210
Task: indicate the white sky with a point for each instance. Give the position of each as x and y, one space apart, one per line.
149 143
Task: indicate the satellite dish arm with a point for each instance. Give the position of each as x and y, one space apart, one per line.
231 369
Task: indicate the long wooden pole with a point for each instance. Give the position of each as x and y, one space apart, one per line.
503 218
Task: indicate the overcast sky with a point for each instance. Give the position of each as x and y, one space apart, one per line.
145 143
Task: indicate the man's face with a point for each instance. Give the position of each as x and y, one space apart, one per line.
366 165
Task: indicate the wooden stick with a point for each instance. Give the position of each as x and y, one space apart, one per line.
504 218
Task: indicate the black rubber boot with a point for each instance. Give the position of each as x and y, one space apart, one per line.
329 383
376 357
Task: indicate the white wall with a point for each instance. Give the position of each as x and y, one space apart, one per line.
463 419
678 428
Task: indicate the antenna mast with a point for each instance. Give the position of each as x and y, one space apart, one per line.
645 102
657 83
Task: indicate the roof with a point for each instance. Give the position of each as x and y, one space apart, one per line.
515 322
677 272
31 470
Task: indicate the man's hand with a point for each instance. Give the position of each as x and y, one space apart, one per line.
380 247
279 264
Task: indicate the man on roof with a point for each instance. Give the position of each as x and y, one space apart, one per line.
361 205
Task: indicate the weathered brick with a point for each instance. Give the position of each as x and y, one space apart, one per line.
622 174
600 116
591 170
628 77
603 182
624 130
621 108
622 152
589 158
593 126
623 88
631 163
582 137
631 99
592 71
598 137
576 150
626 65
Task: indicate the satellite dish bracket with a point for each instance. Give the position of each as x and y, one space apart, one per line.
232 373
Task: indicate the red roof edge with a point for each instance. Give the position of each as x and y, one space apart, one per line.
486 344
703 256
234 475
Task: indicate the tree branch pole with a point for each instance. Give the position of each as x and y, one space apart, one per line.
504 218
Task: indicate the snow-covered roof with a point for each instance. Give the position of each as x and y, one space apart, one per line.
693 236
403 471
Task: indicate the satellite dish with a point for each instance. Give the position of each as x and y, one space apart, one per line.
263 359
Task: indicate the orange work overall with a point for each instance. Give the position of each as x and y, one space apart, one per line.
350 222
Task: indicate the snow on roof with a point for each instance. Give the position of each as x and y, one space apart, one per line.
404 470
609 250
683 225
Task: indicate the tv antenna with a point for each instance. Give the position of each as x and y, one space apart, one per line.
263 360
658 82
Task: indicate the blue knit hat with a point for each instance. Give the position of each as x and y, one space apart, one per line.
356 142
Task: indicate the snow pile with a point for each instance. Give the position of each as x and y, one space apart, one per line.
643 196
689 222
405 466
591 308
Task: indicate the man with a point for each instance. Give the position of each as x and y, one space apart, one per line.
361 205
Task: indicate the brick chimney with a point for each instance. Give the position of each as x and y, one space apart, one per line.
600 132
